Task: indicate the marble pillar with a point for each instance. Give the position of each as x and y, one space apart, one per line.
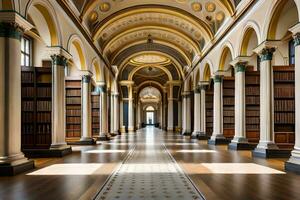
293 164
240 141
103 135
197 113
266 142
12 160
170 109
217 136
202 135
130 109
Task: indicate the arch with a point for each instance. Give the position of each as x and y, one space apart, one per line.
48 25
226 56
155 84
75 46
96 69
207 72
159 67
251 33
272 30
197 76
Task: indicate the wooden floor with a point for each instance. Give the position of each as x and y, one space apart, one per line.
215 171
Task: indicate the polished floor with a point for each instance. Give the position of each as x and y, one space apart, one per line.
152 164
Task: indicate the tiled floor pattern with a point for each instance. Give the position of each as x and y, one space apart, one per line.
149 172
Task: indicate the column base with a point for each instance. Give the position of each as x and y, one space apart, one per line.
131 130
16 167
170 129
218 140
48 153
104 137
113 134
186 133
84 141
270 151
241 146
293 164
202 136
195 134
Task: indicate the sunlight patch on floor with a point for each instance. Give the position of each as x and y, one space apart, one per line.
230 168
68 169
196 151
105 151
181 144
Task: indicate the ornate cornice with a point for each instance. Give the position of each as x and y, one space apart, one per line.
86 78
218 79
297 39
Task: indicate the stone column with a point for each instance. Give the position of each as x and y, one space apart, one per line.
266 142
86 103
293 164
170 109
116 114
122 127
103 135
202 135
240 141
112 114
187 113
139 115
179 128
12 160
59 63
197 113
183 116
218 137
130 109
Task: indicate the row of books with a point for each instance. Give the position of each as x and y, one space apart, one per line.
73 120
44 105
27 92
252 113
73 126
28 117
28 129
228 120
27 77
44 91
43 117
95 105
228 92
228 113
228 101
252 80
252 127
290 76
281 118
73 112
43 129
252 120
27 105
281 90
74 100
284 105
73 133
252 90
253 100
73 92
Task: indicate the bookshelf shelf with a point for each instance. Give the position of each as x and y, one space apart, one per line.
95 114
284 105
252 87
36 108
228 106
209 98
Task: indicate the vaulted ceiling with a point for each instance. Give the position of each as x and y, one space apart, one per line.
176 30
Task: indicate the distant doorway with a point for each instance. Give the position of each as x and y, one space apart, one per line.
150 118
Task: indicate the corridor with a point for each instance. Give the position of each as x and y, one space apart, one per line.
153 164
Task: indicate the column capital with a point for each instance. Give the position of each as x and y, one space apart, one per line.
266 50
12 25
86 76
296 34
59 60
58 51
267 54
203 85
218 78
240 67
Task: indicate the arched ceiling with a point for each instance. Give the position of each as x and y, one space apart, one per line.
178 29
150 94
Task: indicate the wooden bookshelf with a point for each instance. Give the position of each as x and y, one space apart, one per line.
228 107
73 109
95 114
209 104
36 107
284 106
252 87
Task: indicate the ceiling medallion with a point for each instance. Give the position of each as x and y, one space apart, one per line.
149 59
104 7
196 6
210 7
93 16
220 16
181 1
